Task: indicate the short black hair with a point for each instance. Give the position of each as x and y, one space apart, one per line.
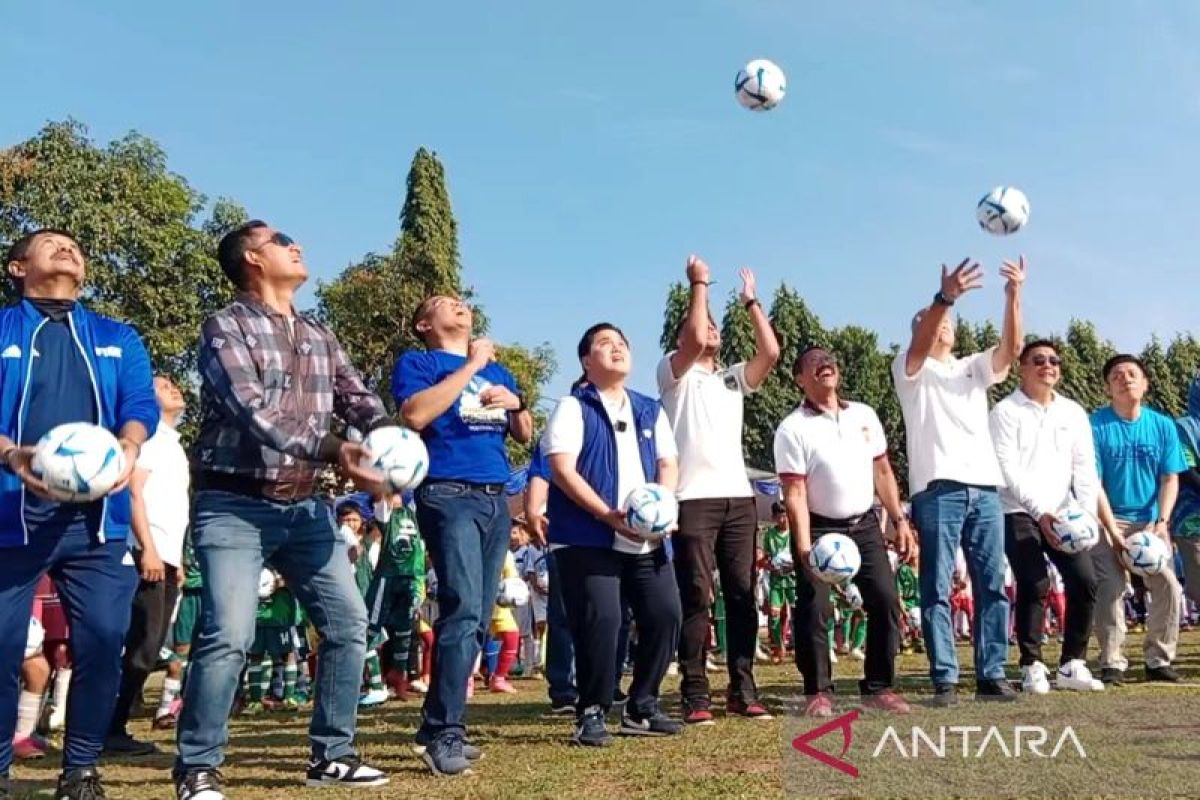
1036 343
349 507
585 342
800 358
19 250
419 314
777 508
1123 358
231 251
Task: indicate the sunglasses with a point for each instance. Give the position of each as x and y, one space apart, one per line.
1041 361
281 239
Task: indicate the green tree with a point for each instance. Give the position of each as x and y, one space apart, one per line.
1084 354
151 259
1164 395
1183 360
678 297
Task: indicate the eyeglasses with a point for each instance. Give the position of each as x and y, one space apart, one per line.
1041 361
279 238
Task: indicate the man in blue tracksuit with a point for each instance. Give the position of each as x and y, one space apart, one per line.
60 363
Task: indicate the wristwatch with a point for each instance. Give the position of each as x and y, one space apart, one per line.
753 301
941 299
522 406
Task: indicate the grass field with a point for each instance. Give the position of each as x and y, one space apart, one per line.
1141 741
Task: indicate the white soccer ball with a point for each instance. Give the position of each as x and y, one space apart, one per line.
854 597
1003 210
513 592
1146 554
651 510
399 454
835 558
782 562
79 462
1078 531
760 85
266 584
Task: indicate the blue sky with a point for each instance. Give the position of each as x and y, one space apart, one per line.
591 147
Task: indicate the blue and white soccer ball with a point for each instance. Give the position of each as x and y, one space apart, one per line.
783 563
760 85
79 462
399 454
835 558
1146 554
1078 531
513 592
651 510
1003 210
854 597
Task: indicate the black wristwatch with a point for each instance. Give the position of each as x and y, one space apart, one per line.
753 301
941 299
522 406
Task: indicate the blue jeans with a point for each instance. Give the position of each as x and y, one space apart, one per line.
234 536
96 583
560 653
466 534
948 515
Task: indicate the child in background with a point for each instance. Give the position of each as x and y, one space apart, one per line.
186 625
396 590
537 574
58 653
504 625
273 646
962 604
1056 601
35 676
908 593
781 593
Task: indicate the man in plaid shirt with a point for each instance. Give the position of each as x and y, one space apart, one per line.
271 382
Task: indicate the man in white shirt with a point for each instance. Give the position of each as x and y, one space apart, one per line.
159 506
831 456
1044 446
953 477
718 520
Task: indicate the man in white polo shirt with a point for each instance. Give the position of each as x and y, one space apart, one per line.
718 521
953 477
159 493
1044 445
831 456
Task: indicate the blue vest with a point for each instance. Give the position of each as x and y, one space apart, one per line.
597 464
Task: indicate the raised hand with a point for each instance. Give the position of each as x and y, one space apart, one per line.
1014 274
956 282
749 285
697 270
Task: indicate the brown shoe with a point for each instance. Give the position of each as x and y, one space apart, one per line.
888 701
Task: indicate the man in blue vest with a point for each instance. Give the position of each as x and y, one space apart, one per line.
60 363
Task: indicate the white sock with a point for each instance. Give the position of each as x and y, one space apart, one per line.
170 691
27 713
62 683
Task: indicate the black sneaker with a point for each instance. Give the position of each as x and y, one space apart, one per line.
80 784
470 751
122 744
345 771
445 758
656 724
619 698
562 708
200 784
1166 673
1111 676
945 695
590 730
997 690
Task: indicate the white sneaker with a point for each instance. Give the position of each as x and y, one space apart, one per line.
419 686
1034 680
858 655
832 656
1075 675
373 698
711 666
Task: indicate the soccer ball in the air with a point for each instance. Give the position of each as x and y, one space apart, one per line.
79 462
399 454
513 592
1003 210
760 85
1077 530
651 510
1146 554
835 558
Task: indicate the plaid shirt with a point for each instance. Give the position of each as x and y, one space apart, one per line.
268 395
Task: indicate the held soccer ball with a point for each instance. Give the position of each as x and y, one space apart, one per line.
79 462
266 584
1003 210
1147 554
651 510
513 592
782 562
760 85
399 454
835 558
1078 531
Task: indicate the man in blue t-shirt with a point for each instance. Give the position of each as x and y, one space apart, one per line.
1139 457
464 404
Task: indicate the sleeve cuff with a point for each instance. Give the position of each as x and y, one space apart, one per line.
327 449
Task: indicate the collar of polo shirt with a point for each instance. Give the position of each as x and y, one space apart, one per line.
809 405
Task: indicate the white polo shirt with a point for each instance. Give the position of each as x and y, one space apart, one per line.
1045 452
564 434
835 454
945 410
166 492
705 411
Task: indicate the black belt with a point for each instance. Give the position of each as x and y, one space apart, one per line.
486 488
819 521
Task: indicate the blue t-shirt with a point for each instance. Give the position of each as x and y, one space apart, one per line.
539 465
466 443
1132 457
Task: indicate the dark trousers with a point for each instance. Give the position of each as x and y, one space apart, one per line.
1024 546
560 653
717 534
593 583
153 605
814 610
